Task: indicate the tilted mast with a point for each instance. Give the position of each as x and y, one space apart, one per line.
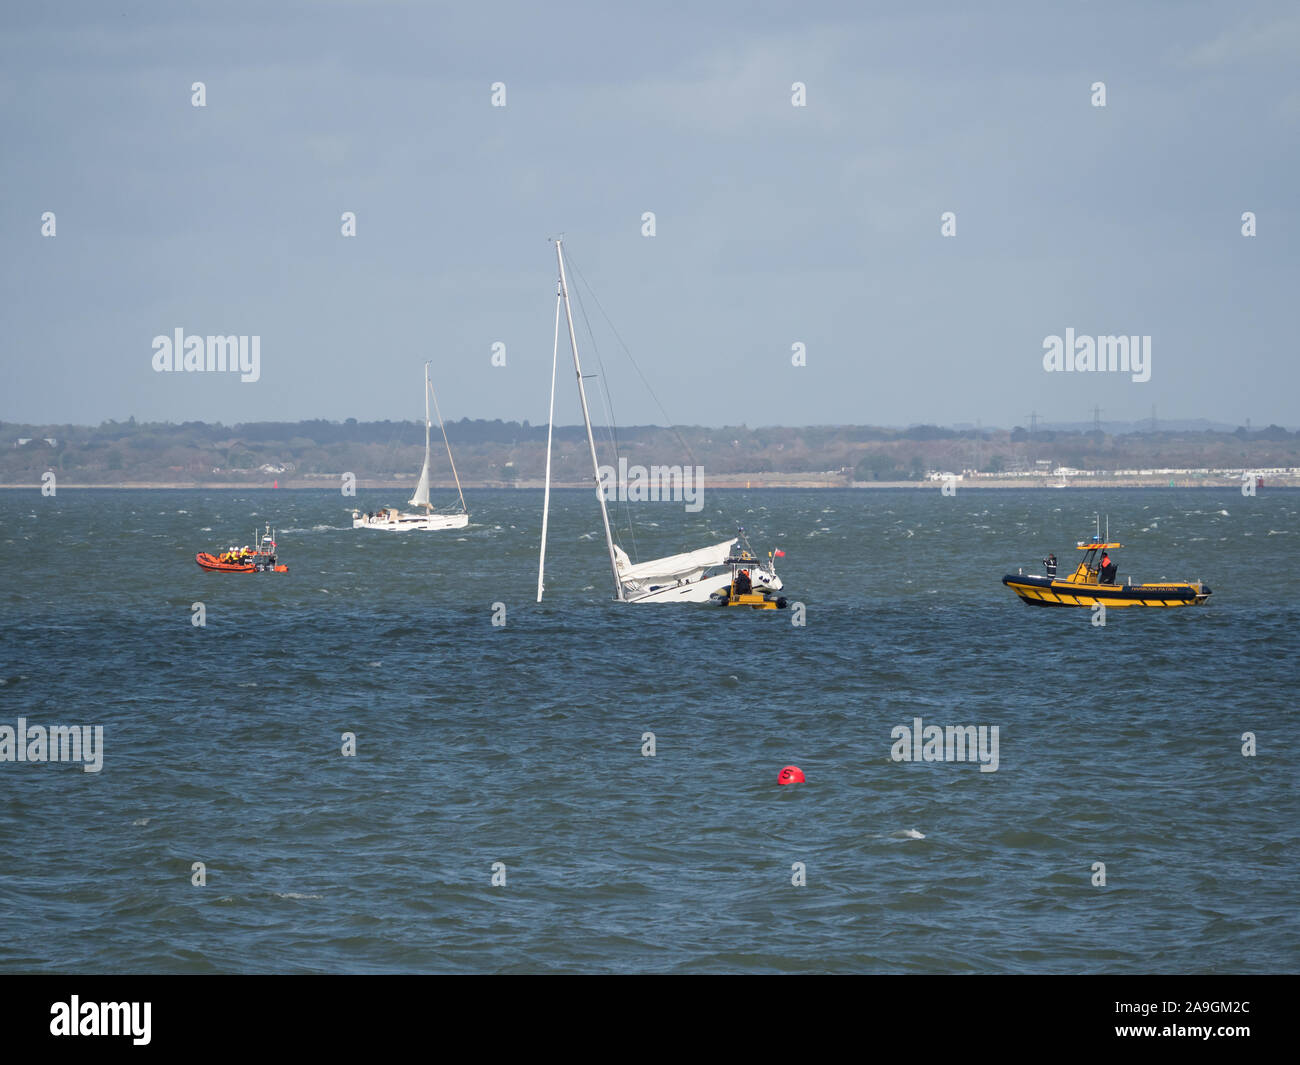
586 417
550 428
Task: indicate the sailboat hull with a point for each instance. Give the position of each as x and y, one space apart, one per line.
412 522
699 590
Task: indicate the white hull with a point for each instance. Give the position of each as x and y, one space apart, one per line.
412 522
390 519
699 589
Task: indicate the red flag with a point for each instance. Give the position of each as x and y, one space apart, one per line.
779 553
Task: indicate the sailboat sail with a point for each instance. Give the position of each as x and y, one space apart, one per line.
672 567
421 496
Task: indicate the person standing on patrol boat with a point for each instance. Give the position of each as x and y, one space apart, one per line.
744 586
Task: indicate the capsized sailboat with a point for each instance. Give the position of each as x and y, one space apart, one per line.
725 573
390 519
698 576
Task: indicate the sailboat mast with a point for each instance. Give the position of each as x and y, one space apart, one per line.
428 507
586 417
550 429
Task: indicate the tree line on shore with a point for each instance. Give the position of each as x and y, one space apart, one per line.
501 452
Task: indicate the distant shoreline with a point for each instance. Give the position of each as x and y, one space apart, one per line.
727 485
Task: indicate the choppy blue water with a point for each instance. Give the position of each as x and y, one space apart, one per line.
522 744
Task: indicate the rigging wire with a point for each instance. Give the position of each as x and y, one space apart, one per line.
627 351
672 427
439 507
442 425
611 424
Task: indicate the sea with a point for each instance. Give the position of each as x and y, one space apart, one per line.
393 759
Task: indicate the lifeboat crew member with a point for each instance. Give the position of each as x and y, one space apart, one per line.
743 584
1049 563
1107 572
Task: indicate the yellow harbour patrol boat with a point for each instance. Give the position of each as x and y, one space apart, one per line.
1093 581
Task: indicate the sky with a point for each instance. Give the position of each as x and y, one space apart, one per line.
775 225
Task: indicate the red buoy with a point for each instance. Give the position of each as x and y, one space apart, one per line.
791 774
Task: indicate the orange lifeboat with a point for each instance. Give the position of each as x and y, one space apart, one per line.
262 560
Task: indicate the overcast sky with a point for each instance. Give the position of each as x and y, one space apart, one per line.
775 224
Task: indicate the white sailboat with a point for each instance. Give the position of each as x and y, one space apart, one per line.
698 576
390 519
